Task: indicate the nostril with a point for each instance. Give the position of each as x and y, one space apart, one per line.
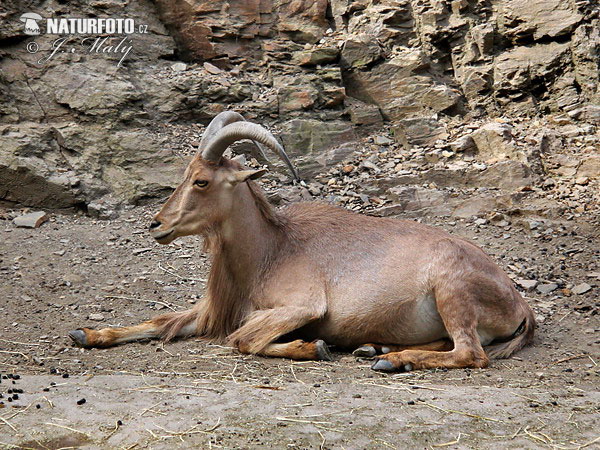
154 224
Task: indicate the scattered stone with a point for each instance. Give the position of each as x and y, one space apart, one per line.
581 288
139 251
179 67
463 144
212 69
31 220
371 166
528 285
547 288
96 316
383 140
539 318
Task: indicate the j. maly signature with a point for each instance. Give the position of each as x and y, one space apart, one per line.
89 45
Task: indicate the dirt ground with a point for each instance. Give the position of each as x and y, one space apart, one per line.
74 271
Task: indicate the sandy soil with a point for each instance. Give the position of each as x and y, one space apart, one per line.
74 271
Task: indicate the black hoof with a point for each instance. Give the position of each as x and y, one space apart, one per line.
383 365
366 351
323 351
78 337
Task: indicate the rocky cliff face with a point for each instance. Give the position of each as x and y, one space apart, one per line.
447 83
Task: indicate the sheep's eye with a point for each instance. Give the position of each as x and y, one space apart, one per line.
201 183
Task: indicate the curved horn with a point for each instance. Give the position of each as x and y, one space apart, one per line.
221 120
244 130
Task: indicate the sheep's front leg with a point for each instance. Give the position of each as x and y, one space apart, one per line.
263 327
166 326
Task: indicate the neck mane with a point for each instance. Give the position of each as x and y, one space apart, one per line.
242 248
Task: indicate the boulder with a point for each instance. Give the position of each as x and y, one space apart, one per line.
419 131
401 87
463 144
363 113
316 56
506 175
589 167
360 51
302 20
523 68
31 220
72 165
415 201
494 141
314 145
588 113
296 98
519 19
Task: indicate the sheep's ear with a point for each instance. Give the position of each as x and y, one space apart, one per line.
244 175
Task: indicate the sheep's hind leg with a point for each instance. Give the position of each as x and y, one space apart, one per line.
458 310
258 335
371 350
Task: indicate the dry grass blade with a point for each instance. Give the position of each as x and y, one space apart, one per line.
171 271
454 411
9 424
288 419
181 434
447 444
15 353
386 444
68 428
19 343
395 388
151 408
113 431
577 446
122 297
5 445
581 355
535 437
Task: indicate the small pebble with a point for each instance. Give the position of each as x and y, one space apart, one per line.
81 401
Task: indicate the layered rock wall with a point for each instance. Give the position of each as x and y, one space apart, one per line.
80 129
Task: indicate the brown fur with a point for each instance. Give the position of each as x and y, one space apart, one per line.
325 273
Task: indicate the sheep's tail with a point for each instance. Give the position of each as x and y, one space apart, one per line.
522 337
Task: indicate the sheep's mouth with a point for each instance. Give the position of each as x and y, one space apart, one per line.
163 237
